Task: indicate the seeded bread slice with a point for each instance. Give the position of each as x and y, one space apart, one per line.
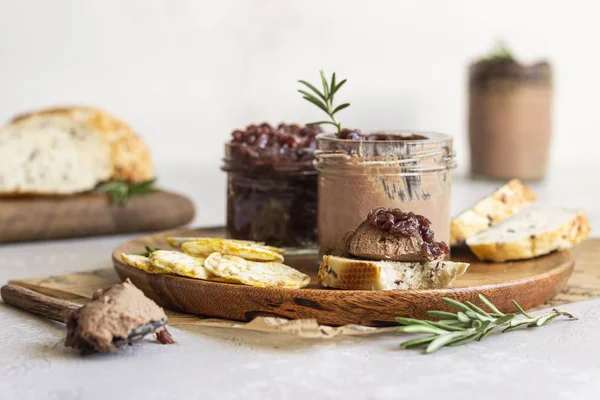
533 232
347 273
501 204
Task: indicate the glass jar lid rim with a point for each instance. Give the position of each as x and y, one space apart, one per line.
430 136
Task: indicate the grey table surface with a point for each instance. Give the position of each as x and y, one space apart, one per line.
558 361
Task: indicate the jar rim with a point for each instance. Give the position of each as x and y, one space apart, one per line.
268 160
269 149
430 137
411 155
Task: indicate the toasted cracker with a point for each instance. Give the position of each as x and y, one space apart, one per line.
177 241
141 262
183 264
253 252
253 273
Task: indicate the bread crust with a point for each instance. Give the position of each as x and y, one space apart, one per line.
131 158
503 203
562 237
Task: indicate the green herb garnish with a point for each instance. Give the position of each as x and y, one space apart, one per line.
149 250
500 53
324 100
121 192
469 323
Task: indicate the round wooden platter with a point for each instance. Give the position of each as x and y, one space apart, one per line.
530 283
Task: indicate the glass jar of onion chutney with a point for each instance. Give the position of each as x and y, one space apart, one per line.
272 185
359 172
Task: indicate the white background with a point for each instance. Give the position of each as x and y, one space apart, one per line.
186 73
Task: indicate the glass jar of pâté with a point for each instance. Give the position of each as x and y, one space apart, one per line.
359 172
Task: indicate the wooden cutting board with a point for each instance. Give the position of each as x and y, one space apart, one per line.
54 217
530 283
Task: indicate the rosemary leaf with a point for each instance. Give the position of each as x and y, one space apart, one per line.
311 97
516 326
477 309
504 319
455 304
421 329
448 327
325 85
417 342
339 85
453 322
341 107
149 250
314 89
463 317
121 192
484 325
518 307
409 321
489 304
486 332
316 103
442 340
544 319
321 122
473 315
442 314
463 340
332 86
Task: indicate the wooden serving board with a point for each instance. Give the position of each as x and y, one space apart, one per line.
530 283
54 217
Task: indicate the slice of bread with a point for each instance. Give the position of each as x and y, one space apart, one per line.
501 204
534 231
347 273
69 150
45 159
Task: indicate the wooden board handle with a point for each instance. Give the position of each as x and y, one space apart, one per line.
38 304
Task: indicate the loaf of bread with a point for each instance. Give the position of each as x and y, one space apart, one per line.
347 273
534 231
69 150
501 204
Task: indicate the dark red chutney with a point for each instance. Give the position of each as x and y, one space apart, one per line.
272 184
396 221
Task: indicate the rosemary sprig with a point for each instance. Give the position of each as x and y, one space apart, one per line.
324 99
499 53
149 250
121 192
469 323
